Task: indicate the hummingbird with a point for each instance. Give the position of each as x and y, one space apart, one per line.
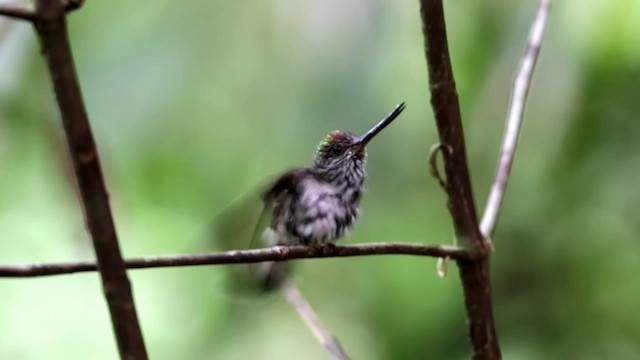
319 204
313 206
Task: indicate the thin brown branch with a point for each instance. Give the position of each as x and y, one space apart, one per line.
312 320
474 272
23 10
519 95
51 27
276 253
446 109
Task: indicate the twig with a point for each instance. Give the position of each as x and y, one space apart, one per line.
519 95
51 27
23 10
433 165
18 10
311 319
474 272
275 253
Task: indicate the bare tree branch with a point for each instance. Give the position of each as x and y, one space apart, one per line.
312 320
51 27
474 272
444 101
23 10
515 115
275 253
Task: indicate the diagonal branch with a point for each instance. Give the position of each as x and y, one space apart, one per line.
312 320
519 95
275 253
474 272
51 27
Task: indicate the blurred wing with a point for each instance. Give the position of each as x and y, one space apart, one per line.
287 182
234 228
242 225
231 228
270 275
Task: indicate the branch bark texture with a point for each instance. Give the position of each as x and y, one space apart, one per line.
52 30
474 272
275 253
446 109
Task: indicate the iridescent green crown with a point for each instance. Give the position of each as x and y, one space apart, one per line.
334 136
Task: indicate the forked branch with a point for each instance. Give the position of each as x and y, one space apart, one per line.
474 273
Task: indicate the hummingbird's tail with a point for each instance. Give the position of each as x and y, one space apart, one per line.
272 274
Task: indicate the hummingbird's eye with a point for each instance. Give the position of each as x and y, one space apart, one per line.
336 150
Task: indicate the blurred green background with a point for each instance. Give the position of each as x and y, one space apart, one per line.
194 104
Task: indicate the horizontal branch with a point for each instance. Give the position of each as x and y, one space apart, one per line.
275 253
23 10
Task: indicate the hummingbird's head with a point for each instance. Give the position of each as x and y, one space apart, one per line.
339 157
343 154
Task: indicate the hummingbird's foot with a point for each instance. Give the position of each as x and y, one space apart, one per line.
329 249
325 249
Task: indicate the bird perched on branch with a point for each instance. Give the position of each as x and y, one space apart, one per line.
318 205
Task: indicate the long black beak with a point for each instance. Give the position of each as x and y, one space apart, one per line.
364 139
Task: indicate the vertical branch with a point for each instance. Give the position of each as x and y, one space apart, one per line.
515 116
51 27
446 109
474 272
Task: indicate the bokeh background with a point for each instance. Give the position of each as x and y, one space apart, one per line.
194 104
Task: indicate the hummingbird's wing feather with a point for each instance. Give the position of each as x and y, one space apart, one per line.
245 223
231 227
271 274
262 223
286 184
